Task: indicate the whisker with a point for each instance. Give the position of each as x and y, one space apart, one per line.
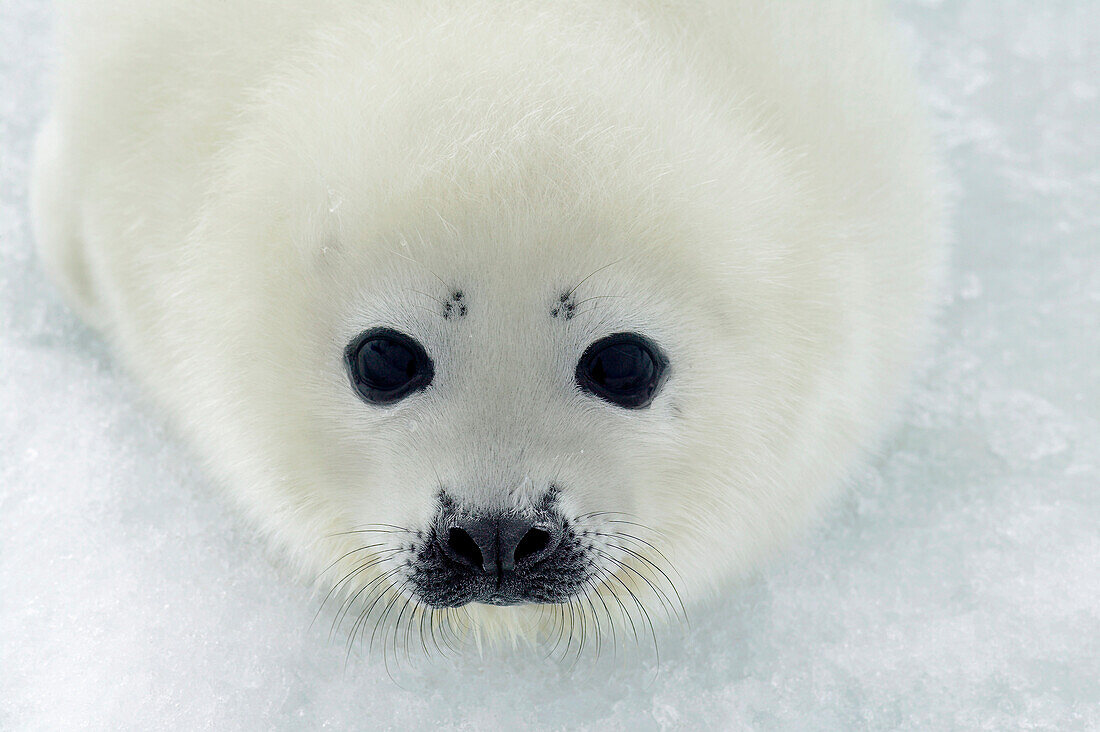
658 532
562 607
346 606
431 628
371 561
428 295
421 307
572 632
664 598
624 522
622 607
610 620
353 551
366 613
441 622
645 615
586 311
350 644
450 637
397 628
381 619
380 623
560 617
423 607
583 638
625 535
590 274
604 513
420 264
596 621
378 593
383 525
599 297
671 584
394 530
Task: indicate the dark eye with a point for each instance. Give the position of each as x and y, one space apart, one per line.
626 369
385 365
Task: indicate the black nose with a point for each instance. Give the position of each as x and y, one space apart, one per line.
498 544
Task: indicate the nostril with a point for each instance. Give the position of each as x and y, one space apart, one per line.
533 542
464 547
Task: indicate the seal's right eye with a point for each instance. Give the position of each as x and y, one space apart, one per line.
385 366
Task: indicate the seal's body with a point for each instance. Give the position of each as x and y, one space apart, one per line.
543 298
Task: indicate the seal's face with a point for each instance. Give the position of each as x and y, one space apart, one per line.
513 423
486 384
512 354
504 552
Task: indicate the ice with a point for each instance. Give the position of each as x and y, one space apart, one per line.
956 585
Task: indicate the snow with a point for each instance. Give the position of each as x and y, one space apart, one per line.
956 585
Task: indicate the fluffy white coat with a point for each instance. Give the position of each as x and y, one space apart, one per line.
231 191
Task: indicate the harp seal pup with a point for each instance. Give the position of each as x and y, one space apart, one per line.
501 304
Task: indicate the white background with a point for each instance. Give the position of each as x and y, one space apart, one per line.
957 583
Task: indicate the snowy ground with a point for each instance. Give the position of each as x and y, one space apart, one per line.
956 586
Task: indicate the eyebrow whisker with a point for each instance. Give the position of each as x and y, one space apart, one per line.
590 274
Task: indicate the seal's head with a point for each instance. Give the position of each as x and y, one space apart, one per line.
544 334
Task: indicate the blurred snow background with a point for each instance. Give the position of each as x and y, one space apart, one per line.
957 585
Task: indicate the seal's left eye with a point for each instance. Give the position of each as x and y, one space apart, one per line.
385 365
626 369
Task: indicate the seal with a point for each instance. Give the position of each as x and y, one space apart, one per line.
533 309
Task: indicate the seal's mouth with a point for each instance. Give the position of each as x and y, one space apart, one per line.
505 600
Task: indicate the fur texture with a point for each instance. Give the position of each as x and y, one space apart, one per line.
232 191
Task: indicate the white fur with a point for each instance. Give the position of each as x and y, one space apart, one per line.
232 190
